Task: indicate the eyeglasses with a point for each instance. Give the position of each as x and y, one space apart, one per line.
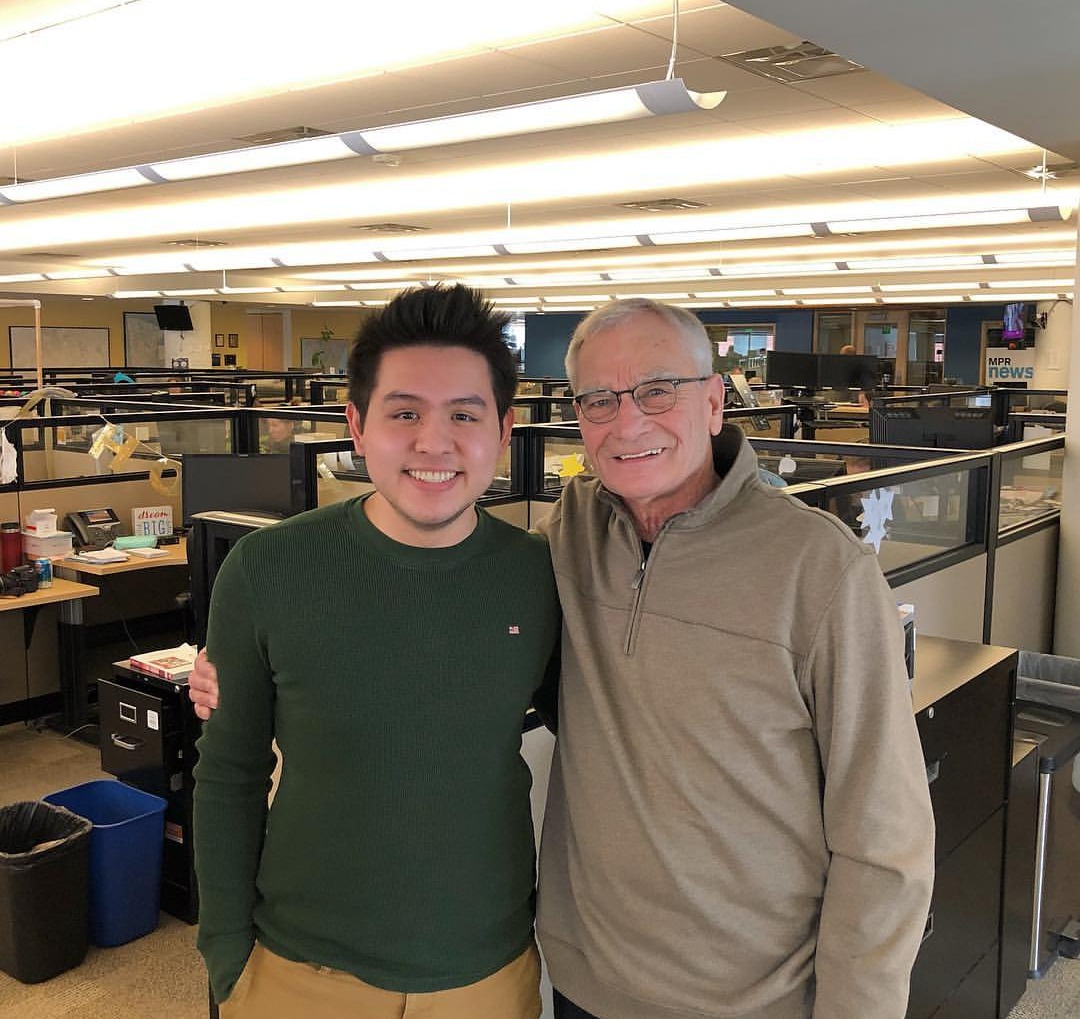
653 397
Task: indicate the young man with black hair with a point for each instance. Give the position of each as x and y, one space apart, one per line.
391 645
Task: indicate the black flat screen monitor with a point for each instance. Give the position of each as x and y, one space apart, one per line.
791 370
941 427
173 317
227 481
847 371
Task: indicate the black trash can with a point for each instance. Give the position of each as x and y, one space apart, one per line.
44 882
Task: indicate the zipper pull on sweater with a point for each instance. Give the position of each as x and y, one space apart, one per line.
640 575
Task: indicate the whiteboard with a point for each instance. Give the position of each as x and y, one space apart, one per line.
61 346
144 342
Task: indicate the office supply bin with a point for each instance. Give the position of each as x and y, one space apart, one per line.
1048 713
125 856
44 871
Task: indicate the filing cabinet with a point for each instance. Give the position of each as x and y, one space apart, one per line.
148 733
962 697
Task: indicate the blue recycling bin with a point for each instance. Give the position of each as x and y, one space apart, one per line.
125 856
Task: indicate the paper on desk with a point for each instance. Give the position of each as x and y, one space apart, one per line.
102 555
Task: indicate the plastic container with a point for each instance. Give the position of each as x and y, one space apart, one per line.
125 856
44 875
1049 679
11 550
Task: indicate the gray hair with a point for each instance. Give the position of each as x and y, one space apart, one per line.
687 325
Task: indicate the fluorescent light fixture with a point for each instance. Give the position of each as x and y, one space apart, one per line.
723 295
947 285
924 300
779 303
989 217
779 269
1020 296
517 300
260 157
656 98
77 274
134 294
247 290
810 291
190 293
585 244
79 184
747 233
1019 284
577 298
573 307
838 301
429 254
916 263
610 105
23 277
343 304
1065 257
313 288
381 285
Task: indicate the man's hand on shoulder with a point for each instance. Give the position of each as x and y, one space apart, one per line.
203 686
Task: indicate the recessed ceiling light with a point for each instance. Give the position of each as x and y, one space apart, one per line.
391 228
194 242
284 134
804 62
662 205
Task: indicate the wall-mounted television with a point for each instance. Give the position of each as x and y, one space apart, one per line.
1014 321
173 317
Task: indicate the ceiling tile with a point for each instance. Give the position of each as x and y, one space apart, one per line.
858 89
769 101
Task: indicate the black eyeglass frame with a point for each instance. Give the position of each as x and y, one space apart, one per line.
620 393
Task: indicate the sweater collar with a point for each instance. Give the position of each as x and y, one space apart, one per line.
735 463
412 555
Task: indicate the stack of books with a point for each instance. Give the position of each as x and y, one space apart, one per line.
174 663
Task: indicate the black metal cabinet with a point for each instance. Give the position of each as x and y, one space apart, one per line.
963 702
148 734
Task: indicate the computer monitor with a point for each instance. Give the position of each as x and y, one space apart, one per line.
848 371
229 481
942 427
789 369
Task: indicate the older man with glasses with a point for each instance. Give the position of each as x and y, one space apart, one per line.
738 821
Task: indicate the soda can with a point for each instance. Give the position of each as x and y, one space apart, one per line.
43 568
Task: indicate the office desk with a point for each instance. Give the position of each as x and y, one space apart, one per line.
177 556
63 593
137 589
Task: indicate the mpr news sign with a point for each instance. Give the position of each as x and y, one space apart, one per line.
1004 365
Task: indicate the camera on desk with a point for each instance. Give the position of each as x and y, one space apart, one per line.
19 580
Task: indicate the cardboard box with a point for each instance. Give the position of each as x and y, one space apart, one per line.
52 546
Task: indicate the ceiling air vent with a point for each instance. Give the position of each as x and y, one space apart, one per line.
391 228
662 205
805 62
285 134
195 242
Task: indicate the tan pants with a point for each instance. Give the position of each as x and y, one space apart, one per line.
274 988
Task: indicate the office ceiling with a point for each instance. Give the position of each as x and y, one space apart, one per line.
831 190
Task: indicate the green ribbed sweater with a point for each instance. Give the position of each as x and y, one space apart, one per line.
399 846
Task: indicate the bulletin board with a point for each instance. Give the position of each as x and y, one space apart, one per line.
144 341
61 346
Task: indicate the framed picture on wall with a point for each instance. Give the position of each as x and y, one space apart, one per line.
234 339
219 339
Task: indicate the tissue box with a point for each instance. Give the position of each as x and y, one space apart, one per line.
51 546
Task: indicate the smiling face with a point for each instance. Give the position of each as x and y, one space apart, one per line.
431 439
660 464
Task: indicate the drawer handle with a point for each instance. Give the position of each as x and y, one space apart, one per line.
933 770
929 928
125 744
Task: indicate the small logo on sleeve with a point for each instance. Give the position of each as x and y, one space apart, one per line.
514 631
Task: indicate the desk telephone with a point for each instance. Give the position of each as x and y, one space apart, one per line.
93 529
